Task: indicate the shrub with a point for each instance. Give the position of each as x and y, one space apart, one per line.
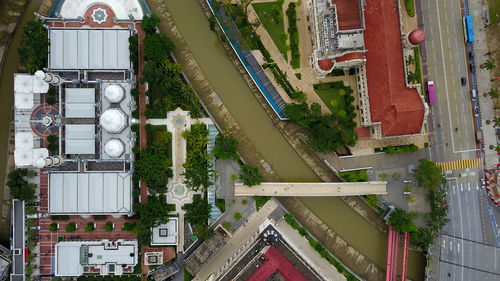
250 175
294 34
129 226
35 44
225 148
90 227
237 216
20 188
410 7
149 24
108 226
244 202
198 170
70 227
221 204
53 227
260 201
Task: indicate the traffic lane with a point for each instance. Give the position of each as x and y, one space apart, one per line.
453 272
465 216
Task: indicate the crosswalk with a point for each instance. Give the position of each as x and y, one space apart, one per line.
459 164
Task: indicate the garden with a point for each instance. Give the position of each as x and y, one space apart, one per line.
271 16
294 34
198 170
198 214
336 96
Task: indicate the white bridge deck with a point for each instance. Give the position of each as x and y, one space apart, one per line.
311 189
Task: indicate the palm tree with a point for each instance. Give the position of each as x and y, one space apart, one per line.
497 122
494 93
412 77
489 64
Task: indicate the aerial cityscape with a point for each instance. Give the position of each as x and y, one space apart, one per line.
252 140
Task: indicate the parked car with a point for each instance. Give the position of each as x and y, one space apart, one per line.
36 227
476 111
463 81
37 216
36 204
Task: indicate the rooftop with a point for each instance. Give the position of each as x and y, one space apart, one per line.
165 234
348 13
399 109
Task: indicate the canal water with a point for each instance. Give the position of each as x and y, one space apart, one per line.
10 66
240 101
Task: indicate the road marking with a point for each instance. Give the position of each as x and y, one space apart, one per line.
468 186
459 164
461 188
451 246
453 189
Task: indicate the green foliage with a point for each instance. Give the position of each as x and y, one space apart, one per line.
157 47
198 214
494 93
53 227
90 227
418 65
34 49
153 166
212 21
225 148
187 276
391 150
51 95
354 176
221 204
109 278
298 75
402 221
19 186
489 64
326 132
129 226
237 216
108 226
197 171
70 227
60 218
294 34
271 16
133 47
149 24
250 175
428 175
422 237
244 202
53 141
260 201
372 200
226 225
238 14
439 208
410 7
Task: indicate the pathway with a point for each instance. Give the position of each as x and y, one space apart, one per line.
142 108
316 189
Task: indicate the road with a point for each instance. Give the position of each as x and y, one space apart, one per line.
468 248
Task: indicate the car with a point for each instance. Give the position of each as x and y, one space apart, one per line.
36 227
36 204
476 111
463 81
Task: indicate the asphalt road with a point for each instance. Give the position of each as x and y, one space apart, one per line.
468 245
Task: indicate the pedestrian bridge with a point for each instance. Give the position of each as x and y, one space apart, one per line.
311 189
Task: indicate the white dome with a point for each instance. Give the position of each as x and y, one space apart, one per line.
40 74
114 93
114 148
113 120
40 162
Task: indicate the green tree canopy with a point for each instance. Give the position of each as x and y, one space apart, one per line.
197 171
402 221
33 52
428 175
494 93
489 64
149 24
250 175
225 148
19 186
198 214
152 214
153 166
157 47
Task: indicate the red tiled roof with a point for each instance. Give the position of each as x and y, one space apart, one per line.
363 132
276 262
348 14
325 64
350 56
400 109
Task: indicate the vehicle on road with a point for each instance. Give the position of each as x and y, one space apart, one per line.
431 95
476 111
35 227
463 81
474 94
36 204
468 29
37 216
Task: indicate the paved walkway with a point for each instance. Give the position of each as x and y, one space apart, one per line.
311 189
142 108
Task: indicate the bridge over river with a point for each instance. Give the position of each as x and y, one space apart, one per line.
314 189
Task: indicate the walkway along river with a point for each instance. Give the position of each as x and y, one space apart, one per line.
250 115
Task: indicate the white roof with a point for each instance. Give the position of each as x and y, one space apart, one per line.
71 9
23 100
23 83
90 193
80 103
114 93
165 234
39 85
113 120
114 148
68 259
23 157
24 140
79 139
89 49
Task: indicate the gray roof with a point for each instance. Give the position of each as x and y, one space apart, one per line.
80 103
90 193
79 139
89 48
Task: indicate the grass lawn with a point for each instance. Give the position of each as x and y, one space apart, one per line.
271 16
355 176
333 97
494 10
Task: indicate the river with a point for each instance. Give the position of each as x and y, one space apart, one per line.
240 101
6 91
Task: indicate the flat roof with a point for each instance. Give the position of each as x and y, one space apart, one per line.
79 103
276 262
90 193
89 48
79 139
165 234
348 14
399 109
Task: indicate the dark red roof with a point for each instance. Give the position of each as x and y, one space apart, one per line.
363 132
350 56
276 262
348 14
417 37
400 109
325 64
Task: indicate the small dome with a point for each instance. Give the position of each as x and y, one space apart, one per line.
113 120
325 64
114 148
416 37
114 93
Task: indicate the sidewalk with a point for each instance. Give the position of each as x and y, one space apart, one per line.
486 104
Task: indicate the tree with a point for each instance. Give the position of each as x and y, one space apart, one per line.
225 148
70 227
53 141
53 227
149 24
153 166
198 214
412 77
428 175
422 237
157 47
35 45
108 226
489 64
19 186
90 227
250 175
402 221
197 167
497 122
494 93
